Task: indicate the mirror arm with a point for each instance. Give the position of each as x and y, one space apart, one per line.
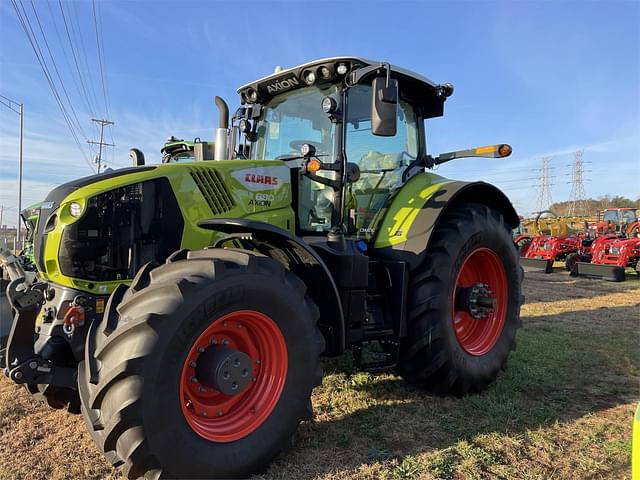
358 75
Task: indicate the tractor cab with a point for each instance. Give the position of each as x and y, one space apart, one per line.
617 219
367 114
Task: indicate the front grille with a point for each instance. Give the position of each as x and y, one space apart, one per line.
213 189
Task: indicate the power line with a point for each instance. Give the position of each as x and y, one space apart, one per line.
76 33
100 58
75 56
66 58
55 67
33 41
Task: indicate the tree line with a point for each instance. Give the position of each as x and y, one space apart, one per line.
594 205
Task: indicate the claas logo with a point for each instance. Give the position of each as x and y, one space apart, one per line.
261 179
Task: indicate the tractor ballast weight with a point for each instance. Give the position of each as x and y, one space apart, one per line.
212 287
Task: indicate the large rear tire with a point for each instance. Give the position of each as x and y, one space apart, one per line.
148 405
459 337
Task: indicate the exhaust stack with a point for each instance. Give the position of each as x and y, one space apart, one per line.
222 132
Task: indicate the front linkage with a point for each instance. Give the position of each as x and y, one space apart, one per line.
18 358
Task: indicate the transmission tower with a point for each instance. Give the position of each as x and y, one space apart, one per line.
577 197
544 186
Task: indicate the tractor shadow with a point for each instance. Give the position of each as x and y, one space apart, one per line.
559 286
560 372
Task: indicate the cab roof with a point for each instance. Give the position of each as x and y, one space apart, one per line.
426 94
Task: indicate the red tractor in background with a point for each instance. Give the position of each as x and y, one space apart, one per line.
521 237
615 248
555 240
622 220
590 242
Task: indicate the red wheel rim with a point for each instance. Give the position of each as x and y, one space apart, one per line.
225 418
477 336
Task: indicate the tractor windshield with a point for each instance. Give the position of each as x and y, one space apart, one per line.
628 216
289 121
292 119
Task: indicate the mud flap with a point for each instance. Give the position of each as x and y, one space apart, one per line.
536 264
612 273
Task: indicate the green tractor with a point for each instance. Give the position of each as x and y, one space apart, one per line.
184 307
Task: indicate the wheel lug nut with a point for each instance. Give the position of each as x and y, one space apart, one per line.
192 364
204 414
202 389
234 386
225 342
224 324
245 372
220 413
253 379
201 349
238 325
194 379
258 361
212 341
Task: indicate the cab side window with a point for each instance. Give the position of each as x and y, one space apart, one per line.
374 153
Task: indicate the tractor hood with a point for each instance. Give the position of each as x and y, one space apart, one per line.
59 193
96 232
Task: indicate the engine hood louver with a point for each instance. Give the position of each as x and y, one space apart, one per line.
213 189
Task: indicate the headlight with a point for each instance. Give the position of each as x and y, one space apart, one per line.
252 95
75 209
329 105
342 69
325 73
615 250
309 77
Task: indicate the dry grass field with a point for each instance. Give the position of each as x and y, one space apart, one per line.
562 409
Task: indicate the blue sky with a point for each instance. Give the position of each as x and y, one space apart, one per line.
546 77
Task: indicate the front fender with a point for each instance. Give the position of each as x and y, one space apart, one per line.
299 257
410 220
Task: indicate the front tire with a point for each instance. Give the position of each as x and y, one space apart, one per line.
149 406
570 262
464 304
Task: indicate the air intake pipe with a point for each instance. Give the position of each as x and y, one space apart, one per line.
221 151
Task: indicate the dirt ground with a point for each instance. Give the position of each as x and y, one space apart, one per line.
562 409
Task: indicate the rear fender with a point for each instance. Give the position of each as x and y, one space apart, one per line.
405 231
301 259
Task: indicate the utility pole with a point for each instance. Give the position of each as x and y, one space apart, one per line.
544 187
101 143
7 102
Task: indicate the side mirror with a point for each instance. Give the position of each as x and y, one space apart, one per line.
137 156
384 106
